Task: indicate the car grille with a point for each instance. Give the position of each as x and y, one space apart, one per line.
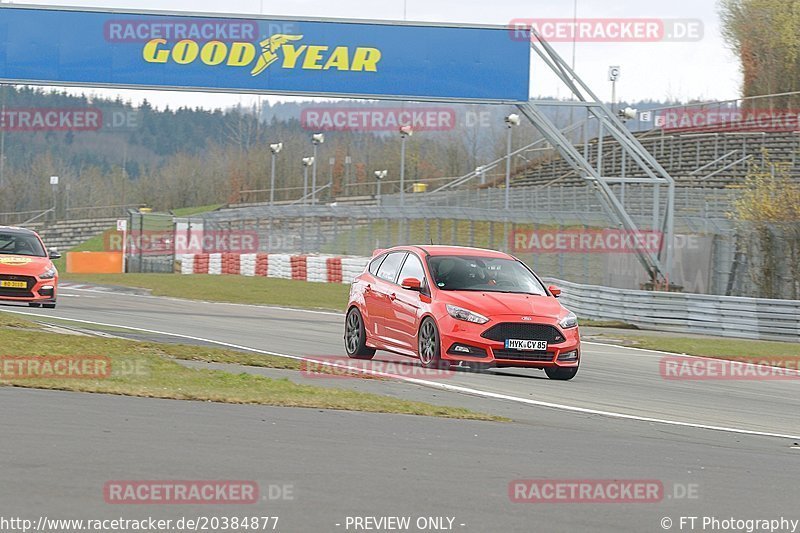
513 355
518 330
18 293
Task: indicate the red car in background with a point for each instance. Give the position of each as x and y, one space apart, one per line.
465 306
27 273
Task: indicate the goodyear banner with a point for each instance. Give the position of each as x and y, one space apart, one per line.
331 58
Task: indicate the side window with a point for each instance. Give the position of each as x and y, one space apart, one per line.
412 269
390 266
375 264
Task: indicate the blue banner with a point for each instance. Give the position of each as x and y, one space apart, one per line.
328 58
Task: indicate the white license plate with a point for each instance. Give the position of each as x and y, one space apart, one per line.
526 346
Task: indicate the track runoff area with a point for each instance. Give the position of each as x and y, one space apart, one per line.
618 449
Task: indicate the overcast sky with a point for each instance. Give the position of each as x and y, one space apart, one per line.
677 70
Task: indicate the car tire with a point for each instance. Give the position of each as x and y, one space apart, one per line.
34 304
561 373
429 345
355 336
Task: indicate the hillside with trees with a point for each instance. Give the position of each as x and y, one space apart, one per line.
171 158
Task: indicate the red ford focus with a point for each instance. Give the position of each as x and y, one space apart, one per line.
465 306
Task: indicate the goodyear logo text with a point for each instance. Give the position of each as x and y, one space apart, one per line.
284 49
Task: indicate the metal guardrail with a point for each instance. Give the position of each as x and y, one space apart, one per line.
725 316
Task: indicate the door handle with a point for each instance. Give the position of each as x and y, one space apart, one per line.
393 297
368 288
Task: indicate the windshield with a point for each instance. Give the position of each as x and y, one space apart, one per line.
20 244
461 273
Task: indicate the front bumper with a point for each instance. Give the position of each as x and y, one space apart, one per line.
457 336
36 290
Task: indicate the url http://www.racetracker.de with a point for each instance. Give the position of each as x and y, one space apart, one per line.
45 524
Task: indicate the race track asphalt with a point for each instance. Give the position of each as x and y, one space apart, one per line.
619 419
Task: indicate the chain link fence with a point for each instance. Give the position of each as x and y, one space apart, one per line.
150 243
551 243
712 255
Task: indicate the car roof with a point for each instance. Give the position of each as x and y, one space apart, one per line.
438 250
17 230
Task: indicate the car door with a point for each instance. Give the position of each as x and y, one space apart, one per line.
372 303
405 306
381 288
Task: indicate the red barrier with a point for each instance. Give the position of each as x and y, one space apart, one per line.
262 264
334 269
299 267
201 264
231 263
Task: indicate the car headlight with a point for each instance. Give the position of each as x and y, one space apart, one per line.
459 313
569 321
50 273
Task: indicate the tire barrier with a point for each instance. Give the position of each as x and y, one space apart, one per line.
316 268
215 264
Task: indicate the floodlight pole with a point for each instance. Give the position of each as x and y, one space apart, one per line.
272 181
379 176
402 171
405 132
314 178
316 140
511 121
305 184
275 149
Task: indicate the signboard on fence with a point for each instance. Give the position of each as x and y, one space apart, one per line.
66 46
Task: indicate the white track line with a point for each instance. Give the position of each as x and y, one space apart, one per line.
434 384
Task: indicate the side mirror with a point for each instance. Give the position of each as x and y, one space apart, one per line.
54 254
555 291
412 284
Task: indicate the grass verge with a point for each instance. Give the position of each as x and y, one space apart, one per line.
719 348
236 289
617 324
147 369
191 211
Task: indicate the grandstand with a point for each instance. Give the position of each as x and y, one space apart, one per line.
694 159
